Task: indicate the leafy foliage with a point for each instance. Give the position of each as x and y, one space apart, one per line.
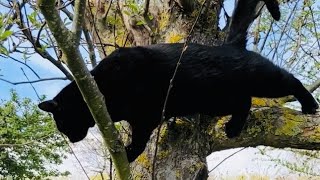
28 141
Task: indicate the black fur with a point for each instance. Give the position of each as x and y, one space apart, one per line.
211 80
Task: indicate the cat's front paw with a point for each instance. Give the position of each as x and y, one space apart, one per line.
233 130
310 109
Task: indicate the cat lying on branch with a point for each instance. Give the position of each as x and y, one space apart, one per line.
216 81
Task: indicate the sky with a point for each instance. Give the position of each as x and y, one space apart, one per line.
11 71
247 161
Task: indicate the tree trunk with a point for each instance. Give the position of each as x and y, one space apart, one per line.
167 22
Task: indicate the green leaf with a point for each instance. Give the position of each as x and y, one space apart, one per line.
5 35
134 7
3 50
127 13
139 23
32 17
34 142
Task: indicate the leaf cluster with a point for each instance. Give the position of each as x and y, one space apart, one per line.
28 141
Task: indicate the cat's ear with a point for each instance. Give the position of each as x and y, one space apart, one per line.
48 106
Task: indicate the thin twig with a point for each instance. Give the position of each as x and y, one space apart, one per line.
30 83
72 152
267 35
226 159
110 170
294 55
302 48
39 33
108 10
68 13
114 30
25 64
65 5
185 46
49 38
26 143
314 25
34 81
146 8
126 40
92 54
27 19
284 29
15 15
38 47
256 35
95 29
76 157
5 5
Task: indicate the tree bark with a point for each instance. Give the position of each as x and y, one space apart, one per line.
183 148
167 22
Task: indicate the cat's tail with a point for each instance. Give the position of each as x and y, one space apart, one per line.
246 11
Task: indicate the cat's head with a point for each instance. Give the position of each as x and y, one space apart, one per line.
70 113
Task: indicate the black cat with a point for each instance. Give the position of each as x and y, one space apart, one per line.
210 80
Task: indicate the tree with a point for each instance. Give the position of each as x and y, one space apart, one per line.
28 141
110 24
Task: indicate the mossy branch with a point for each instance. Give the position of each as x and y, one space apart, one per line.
192 142
69 41
278 127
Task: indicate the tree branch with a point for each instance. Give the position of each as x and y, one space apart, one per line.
278 127
38 47
92 54
25 64
78 19
95 29
26 143
191 142
56 25
34 81
314 86
244 14
284 30
146 8
87 86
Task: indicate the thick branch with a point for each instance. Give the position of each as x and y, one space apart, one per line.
79 8
68 42
314 86
245 13
56 25
191 143
276 127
